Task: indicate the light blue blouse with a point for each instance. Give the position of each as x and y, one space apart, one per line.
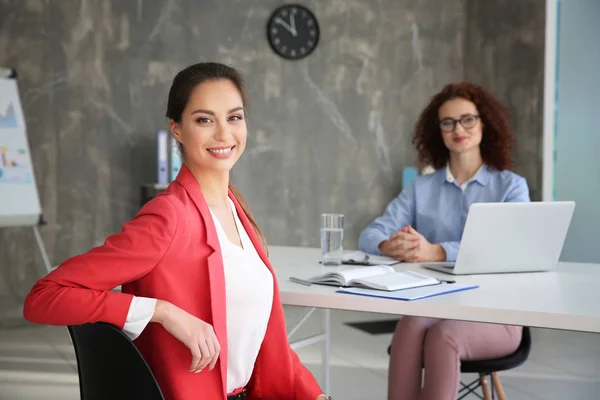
436 206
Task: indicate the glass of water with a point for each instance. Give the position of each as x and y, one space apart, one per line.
332 238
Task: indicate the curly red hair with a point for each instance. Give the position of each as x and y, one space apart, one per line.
496 142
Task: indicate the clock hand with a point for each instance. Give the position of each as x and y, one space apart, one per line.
285 25
293 24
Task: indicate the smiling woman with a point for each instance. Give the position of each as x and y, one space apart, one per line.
209 135
464 134
482 119
206 111
199 295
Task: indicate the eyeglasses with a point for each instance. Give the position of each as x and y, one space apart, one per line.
467 122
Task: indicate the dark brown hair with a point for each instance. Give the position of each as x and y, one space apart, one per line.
496 142
184 83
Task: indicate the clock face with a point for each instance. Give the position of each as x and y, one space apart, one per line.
293 31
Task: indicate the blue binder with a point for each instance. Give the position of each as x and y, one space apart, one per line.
163 157
175 158
410 294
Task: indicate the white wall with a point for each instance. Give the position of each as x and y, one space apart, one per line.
577 122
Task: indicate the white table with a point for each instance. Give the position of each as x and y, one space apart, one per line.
567 298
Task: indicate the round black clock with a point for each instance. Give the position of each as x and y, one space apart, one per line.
293 31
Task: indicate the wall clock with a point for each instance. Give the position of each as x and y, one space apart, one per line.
293 31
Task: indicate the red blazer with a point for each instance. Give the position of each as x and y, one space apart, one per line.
170 251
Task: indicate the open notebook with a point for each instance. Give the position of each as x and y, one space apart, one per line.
378 277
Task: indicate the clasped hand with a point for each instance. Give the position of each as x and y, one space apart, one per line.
410 246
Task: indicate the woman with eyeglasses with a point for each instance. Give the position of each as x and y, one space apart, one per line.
464 134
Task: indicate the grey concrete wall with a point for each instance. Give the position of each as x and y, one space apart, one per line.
504 52
328 133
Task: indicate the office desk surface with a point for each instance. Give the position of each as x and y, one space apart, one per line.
566 298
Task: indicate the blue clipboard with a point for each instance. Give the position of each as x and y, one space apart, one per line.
418 293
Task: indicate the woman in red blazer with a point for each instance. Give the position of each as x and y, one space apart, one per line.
171 252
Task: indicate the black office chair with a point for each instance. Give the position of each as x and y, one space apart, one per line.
489 368
110 366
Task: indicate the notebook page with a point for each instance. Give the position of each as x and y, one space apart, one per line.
364 272
397 281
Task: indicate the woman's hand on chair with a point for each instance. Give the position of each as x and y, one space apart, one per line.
197 335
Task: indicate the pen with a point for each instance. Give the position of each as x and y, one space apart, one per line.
300 281
352 262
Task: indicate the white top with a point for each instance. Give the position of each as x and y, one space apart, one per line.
249 298
450 178
566 298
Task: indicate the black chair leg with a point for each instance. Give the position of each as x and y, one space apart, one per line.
470 389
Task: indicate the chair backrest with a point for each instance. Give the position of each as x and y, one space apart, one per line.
110 366
525 345
408 176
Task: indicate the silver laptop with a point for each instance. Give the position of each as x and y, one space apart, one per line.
511 237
